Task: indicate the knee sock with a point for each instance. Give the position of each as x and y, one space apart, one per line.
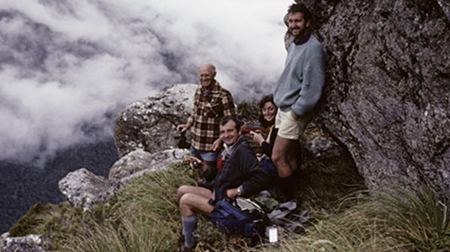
189 225
286 186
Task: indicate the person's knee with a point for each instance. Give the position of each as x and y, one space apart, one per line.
181 191
275 156
184 200
285 173
185 205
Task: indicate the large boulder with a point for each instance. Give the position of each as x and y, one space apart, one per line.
150 123
139 161
388 87
84 188
144 138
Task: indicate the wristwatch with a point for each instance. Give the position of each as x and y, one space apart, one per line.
239 191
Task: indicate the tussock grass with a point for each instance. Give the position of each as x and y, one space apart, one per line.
144 216
419 219
127 234
390 221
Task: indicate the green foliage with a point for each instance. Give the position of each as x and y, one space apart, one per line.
28 221
129 233
248 111
55 221
418 218
144 216
395 221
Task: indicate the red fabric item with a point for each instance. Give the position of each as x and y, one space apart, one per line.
219 164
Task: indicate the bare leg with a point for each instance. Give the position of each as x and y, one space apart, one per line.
285 156
192 200
195 190
191 203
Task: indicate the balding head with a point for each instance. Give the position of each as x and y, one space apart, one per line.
206 74
208 66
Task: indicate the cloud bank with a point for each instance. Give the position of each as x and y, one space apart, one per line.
68 67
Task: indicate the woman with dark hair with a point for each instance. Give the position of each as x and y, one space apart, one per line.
268 111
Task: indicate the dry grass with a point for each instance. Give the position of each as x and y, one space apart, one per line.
143 216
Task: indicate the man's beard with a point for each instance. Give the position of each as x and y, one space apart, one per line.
301 33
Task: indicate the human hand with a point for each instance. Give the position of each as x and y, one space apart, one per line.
257 137
294 115
182 127
232 192
193 160
217 144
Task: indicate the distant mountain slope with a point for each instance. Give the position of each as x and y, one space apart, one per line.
21 186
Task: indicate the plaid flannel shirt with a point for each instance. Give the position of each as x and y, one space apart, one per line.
206 115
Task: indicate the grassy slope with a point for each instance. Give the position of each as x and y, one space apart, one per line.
143 216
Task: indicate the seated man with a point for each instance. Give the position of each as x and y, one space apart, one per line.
241 174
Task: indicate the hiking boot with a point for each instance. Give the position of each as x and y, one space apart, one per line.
186 249
183 248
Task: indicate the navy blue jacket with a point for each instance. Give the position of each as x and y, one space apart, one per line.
241 168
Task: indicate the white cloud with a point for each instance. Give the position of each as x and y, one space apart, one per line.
65 64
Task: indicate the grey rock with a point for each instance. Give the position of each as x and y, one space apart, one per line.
144 139
388 88
322 147
139 161
83 188
150 123
29 243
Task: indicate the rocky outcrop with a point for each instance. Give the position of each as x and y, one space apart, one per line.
29 243
139 161
150 123
84 188
322 147
388 87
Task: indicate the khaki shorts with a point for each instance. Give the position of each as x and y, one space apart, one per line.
288 127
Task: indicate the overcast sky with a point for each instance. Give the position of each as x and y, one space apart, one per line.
67 67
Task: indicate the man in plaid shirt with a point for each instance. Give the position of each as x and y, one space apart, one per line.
211 103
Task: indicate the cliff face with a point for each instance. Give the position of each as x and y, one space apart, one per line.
388 87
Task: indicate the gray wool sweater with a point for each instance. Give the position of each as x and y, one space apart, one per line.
300 85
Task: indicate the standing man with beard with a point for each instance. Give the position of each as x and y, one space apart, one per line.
298 91
211 103
288 37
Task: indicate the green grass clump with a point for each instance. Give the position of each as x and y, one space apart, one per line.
144 216
30 221
418 218
396 221
52 221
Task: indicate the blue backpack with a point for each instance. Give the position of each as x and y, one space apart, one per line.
239 216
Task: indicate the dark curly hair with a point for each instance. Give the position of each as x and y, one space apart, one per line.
300 8
261 103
